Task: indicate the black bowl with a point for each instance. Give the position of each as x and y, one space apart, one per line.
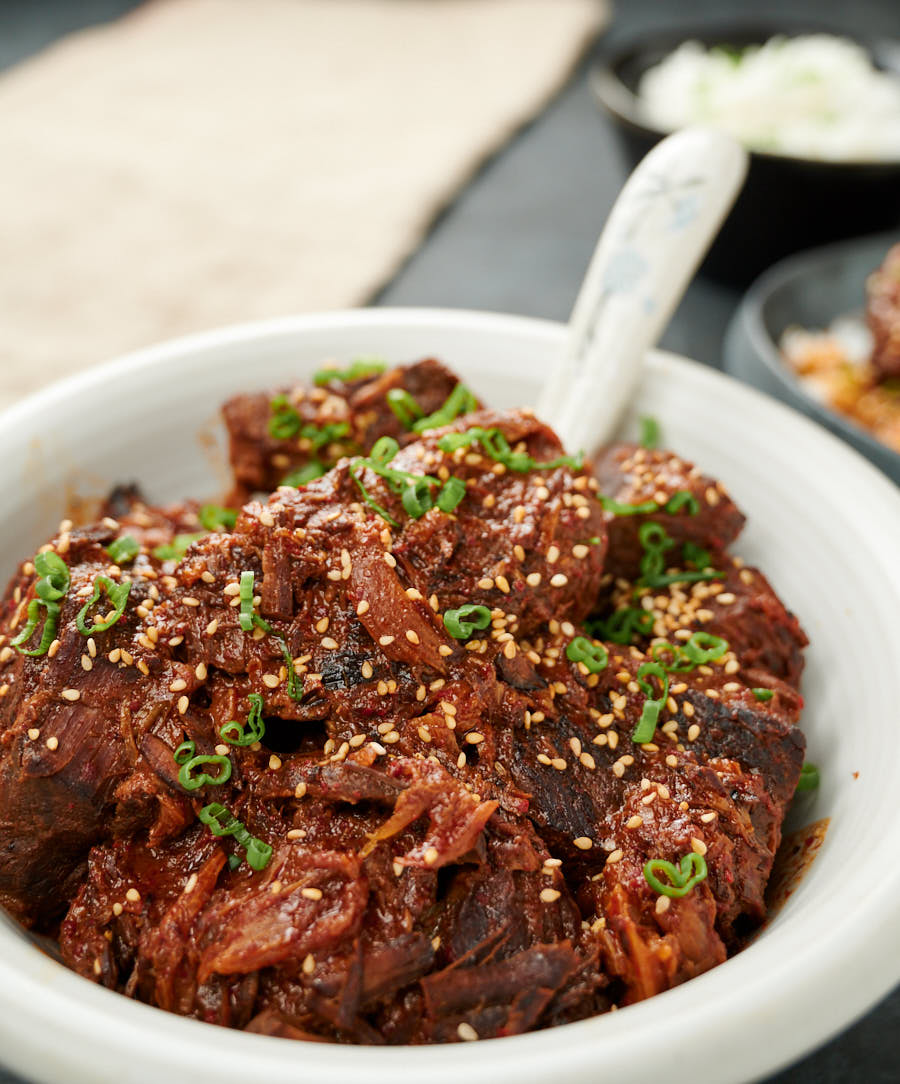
788 203
808 290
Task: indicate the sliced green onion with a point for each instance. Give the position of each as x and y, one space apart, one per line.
679 664
702 648
696 555
383 451
406 410
246 615
284 421
594 656
416 497
459 401
467 619
763 694
234 861
300 477
616 508
294 685
48 634
682 878
320 436
234 733
649 432
178 547
369 499
222 822
195 782
54 576
452 493
655 541
809 778
215 517
117 593
681 499
622 626
497 447
653 705
185 752
359 370
123 549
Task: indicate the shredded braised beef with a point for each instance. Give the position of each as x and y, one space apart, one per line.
459 826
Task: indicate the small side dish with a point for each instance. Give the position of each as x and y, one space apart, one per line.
854 367
451 736
813 96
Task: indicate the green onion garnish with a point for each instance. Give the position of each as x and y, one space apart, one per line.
459 401
467 619
497 447
703 647
809 777
359 370
406 410
594 656
184 752
117 593
695 555
234 732
246 615
414 490
622 626
655 540
682 878
222 822
123 549
284 421
33 616
649 432
678 662
683 498
616 508
300 477
214 517
653 705
54 576
195 782
763 694
178 547
294 686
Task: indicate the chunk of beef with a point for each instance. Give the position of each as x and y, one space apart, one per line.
631 475
883 315
339 418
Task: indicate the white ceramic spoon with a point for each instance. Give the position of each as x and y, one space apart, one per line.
657 232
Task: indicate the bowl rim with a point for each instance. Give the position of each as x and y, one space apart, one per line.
623 105
109 1029
750 315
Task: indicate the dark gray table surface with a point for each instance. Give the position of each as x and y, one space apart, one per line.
518 239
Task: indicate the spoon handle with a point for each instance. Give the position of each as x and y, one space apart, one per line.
657 232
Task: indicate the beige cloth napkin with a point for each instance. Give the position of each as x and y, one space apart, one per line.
202 162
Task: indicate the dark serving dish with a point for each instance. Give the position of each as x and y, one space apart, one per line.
808 290
788 203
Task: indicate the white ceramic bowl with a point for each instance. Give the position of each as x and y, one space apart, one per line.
823 524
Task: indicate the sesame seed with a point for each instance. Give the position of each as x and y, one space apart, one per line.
70 694
688 708
231 589
503 583
390 560
274 762
392 737
616 856
550 895
335 574
300 790
580 551
698 846
431 856
271 681
559 580
385 640
583 843
486 583
412 636
474 738
133 896
182 705
509 649
466 1032
445 650
663 904
117 908
559 764
34 733
311 893
693 732
634 821
424 733
672 760
52 744
329 643
309 964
